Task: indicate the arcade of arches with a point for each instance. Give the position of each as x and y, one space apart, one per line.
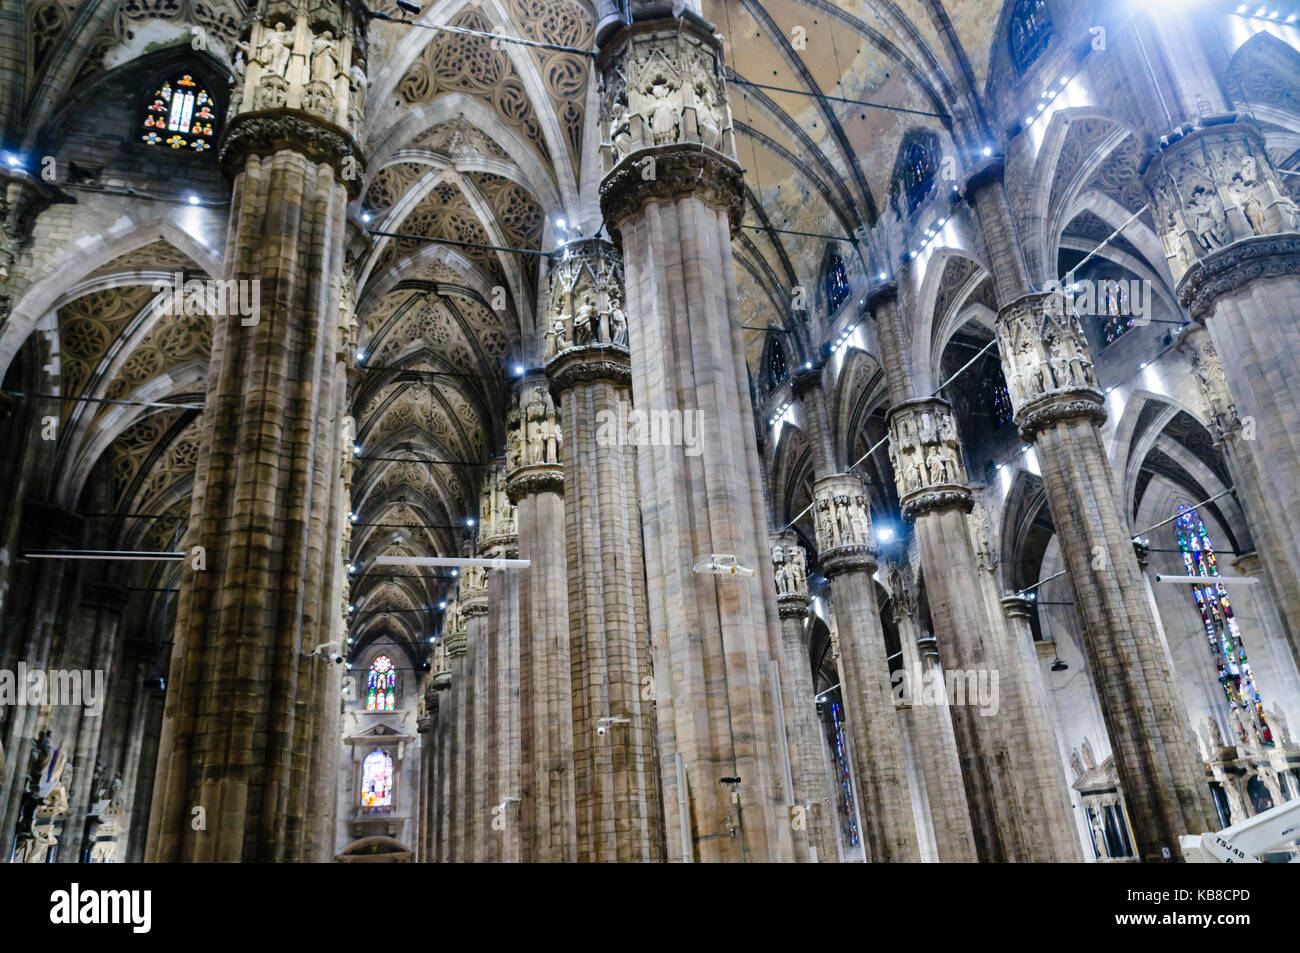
621 430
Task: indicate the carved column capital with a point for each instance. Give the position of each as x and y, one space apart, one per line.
1233 268
497 534
665 120
1211 189
842 517
790 569
534 443
269 131
1018 607
925 451
455 644
585 320
1046 362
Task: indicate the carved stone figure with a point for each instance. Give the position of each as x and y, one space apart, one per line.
276 50
324 59
706 118
618 326
663 112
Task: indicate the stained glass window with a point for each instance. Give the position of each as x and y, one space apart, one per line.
381 685
1113 306
1235 676
848 811
377 783
918 175
1000 402
1030 32
837 284
776 369
181 116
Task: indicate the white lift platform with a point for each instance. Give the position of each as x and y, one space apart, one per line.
1274 830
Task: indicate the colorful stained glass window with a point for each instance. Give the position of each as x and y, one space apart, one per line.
1000 403
918 175
848 810
182 116
776 369
1030 32
1235 676
837 284
381 685
1113 306
377 783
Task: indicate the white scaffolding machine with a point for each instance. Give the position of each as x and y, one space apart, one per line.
1273 830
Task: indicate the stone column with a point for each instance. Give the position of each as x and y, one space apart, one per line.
671 194
498 540
1059 409
474 604
848 559
616 783
548 817
817 843
1254 487
936 741
440 791
425 727
268 463
456 814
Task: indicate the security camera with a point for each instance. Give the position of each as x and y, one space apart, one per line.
602 730
328 651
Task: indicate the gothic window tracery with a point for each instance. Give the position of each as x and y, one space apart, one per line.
776 369
1113 306
181 115
377 782
1030 32
918 175
1235 675
834 718
837 284
381 685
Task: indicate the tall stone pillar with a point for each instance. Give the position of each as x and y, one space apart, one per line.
474 604
1059 409
811 795
498 539
848 559
932 723
1254 487
440 790
616 783
672 194
548 817
457 806
268 463
426 727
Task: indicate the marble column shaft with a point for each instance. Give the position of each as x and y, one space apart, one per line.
616 785
1059 409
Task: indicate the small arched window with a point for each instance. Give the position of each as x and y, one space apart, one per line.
1030 32
776 366
1114 308
381 685
918 175
377 782
837 284
180 115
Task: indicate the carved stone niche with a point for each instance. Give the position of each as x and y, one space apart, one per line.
1046 362
534 444
661 84
1214 187
1220 408
585 302
925 451
842 516
790 571
496 515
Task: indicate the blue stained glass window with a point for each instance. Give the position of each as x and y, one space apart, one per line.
1221 632
837 284
848 810
918 175
1029 33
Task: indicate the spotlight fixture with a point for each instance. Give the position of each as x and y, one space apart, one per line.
192 198
722 564
1059 665
519 370
407 7
469 521
366 217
